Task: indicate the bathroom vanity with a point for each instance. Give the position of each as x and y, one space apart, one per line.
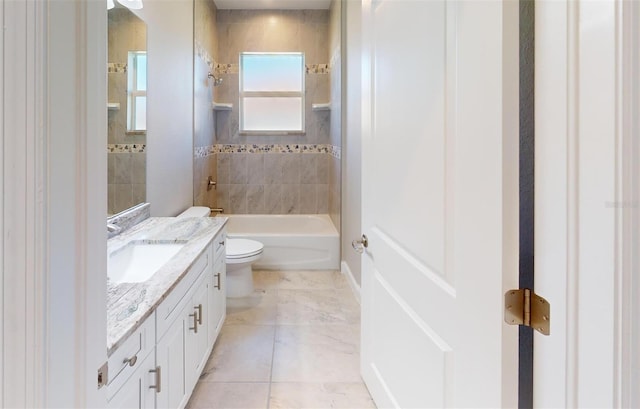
161 328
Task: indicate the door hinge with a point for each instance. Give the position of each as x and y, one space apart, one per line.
524 307
103 375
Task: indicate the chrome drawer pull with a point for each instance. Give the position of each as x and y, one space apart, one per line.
195 322
199 309
158 385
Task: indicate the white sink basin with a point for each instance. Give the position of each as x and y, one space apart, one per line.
137 262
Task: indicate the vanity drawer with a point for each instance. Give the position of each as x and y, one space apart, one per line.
126 359
167 311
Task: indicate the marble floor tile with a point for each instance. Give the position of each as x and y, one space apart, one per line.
294 280
308 307
242 353
293 343
320 395
317 353
257 308
350 306
339 280
229 395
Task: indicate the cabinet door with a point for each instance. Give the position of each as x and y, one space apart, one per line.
196 339
137 391
220 293
170 361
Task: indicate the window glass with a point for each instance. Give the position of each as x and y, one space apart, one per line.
272 92
137 91
272 114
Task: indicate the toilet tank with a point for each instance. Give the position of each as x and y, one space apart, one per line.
196 211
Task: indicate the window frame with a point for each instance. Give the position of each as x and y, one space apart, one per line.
133 92
271 94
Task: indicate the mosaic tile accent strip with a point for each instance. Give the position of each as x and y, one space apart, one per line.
221 69
227 69
126 148
204 54
116 67
335 151
204 151
318 69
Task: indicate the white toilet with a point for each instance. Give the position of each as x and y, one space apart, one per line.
241 253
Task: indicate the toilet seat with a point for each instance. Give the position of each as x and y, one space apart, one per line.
242 249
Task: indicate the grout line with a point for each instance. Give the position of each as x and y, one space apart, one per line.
273 352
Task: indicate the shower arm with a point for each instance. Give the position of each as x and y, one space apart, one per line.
216 81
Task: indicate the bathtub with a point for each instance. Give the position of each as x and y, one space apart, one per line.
291 242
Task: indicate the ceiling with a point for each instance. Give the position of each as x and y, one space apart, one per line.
273 4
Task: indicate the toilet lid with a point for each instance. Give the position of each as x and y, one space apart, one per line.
240 248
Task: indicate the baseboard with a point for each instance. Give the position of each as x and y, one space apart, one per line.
355 287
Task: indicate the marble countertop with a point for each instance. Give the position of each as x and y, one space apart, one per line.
129 304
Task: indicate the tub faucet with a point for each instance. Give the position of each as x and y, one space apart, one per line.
217 210
112 228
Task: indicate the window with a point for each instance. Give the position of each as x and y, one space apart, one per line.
137 92
272 92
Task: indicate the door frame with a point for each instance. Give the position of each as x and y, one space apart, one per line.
581 243
54 209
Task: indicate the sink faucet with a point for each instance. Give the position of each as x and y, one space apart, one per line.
112 228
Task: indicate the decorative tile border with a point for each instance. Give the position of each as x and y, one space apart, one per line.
116 67
204 151
204 54
126 148
335 151
221 69
318 69
227 69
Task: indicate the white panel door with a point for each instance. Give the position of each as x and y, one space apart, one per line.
440 198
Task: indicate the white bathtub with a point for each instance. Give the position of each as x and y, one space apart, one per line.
291 242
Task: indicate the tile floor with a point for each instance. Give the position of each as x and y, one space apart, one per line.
294 343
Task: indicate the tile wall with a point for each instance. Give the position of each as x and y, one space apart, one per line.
206 52
269 174
127 165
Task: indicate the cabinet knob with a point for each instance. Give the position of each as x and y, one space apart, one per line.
131 361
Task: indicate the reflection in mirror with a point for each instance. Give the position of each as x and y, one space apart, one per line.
127 109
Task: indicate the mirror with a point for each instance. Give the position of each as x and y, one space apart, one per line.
126 107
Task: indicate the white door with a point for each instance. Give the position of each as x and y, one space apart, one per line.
440 199
581 74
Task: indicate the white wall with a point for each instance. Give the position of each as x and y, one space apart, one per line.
351 141
170 105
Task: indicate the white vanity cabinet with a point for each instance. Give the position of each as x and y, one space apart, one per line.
139 389
186 324
132 366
